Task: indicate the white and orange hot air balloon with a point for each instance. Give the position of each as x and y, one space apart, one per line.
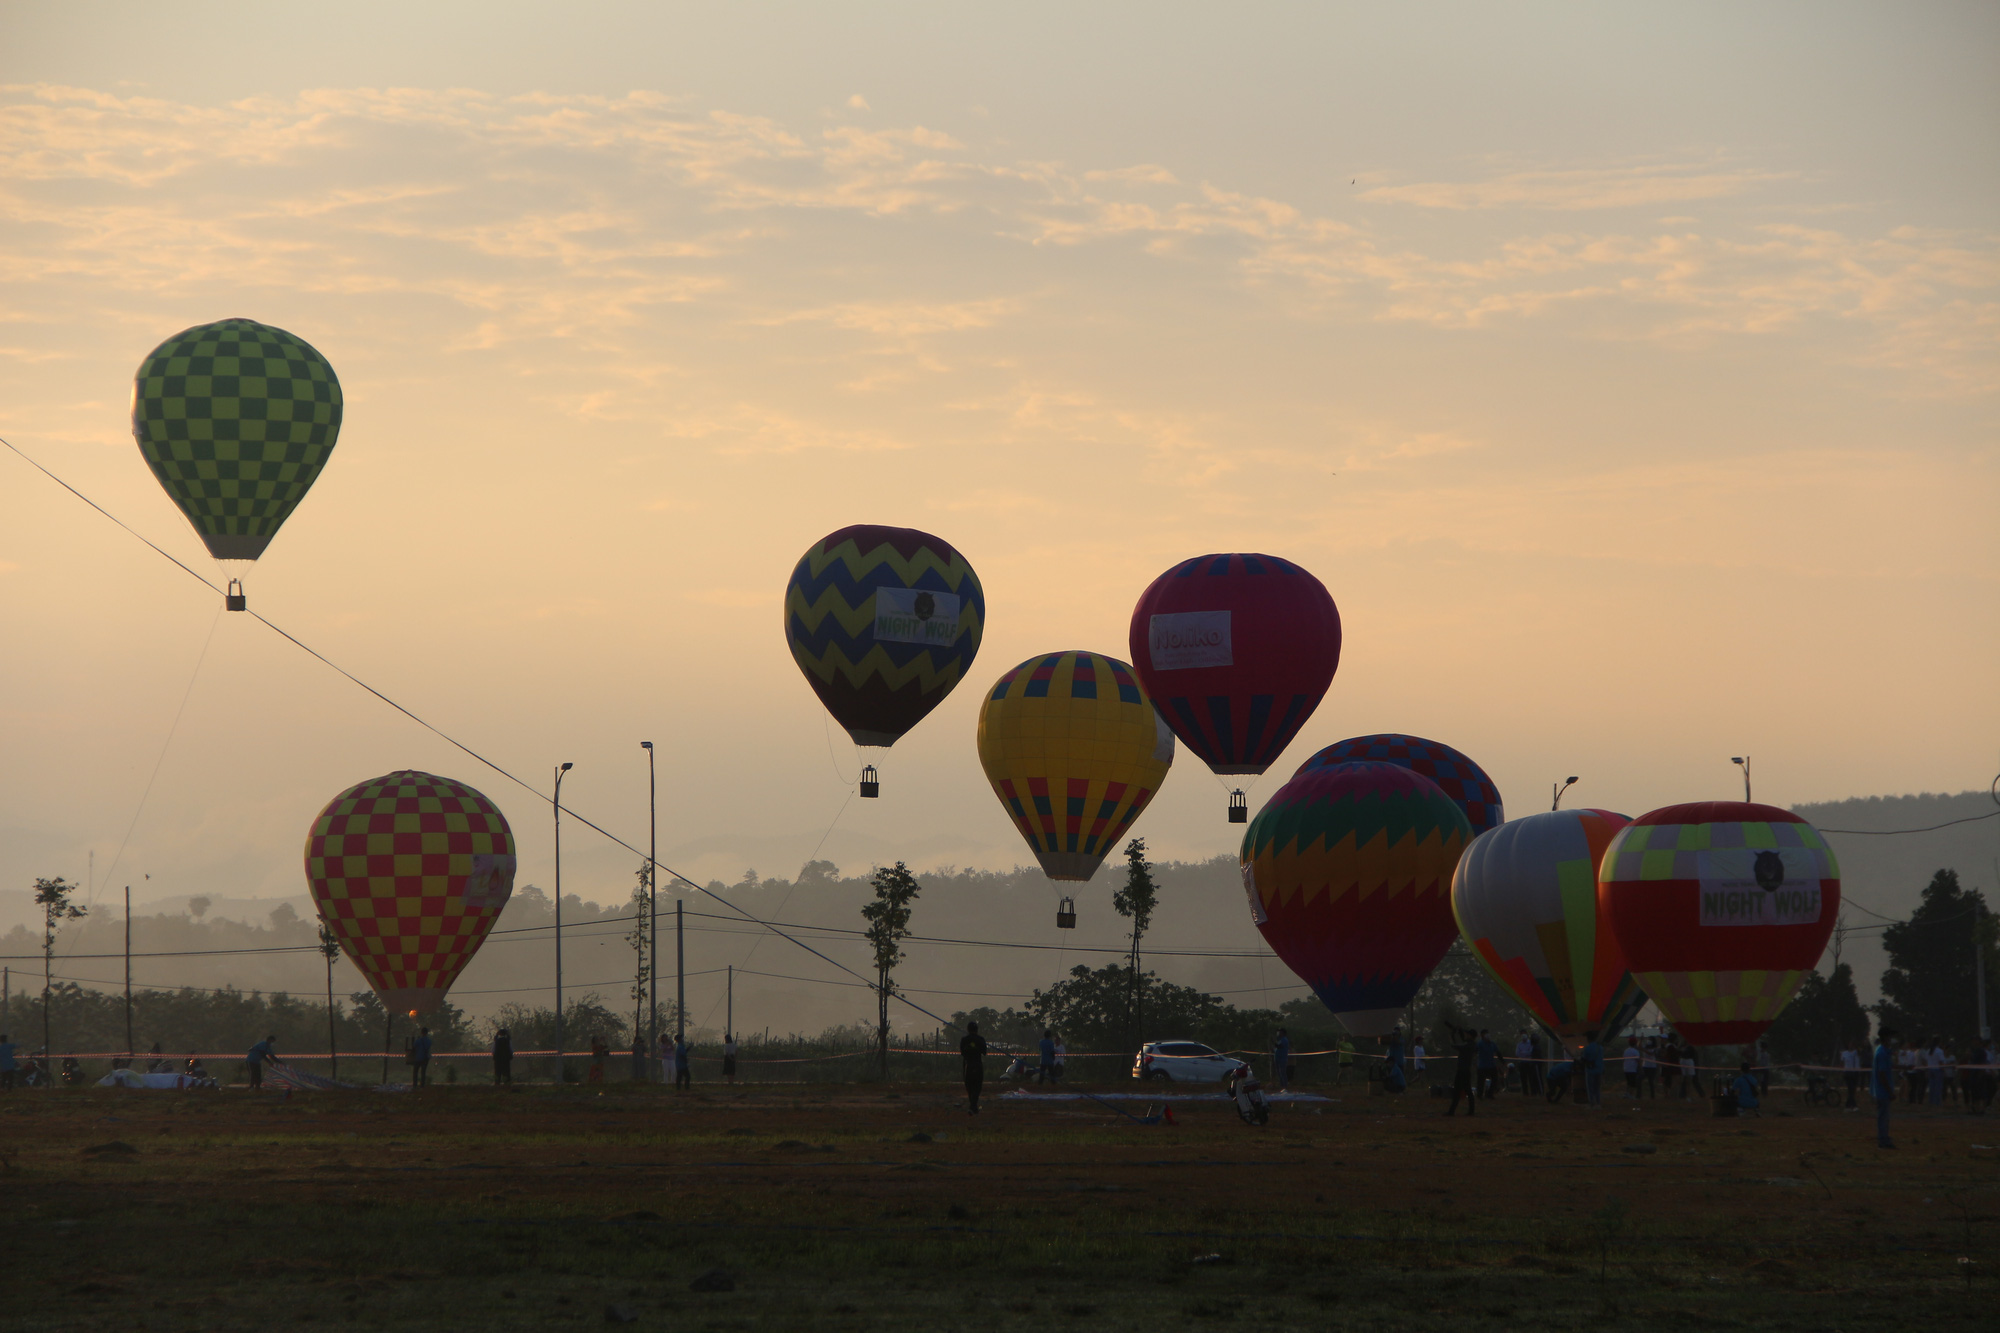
409 871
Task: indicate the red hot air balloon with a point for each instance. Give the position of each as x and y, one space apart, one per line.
1348 869
410 871
1721 908
1236 651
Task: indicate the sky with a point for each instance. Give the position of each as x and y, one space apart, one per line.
1628 376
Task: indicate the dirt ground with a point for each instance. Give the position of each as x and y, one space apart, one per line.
865 1206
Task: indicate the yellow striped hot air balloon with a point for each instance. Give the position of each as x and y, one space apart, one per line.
1074 750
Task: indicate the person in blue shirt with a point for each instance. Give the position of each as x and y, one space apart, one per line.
1392 1072
6 1063
1281 1061
1745 1088
683 1073
1488 1061
257 1056
1047 1072
420 1058
1592 1061
1882 1084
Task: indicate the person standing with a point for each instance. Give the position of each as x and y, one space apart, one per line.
1486 1054
1417 1056
1593 1071
7 1066
503 1058
1850 1073
1524 1060
683 1062
1392 1069
420 1059
1281 1061
1464 1046
972 1059
1909 1060
728 1057
1045 1070
1760 1056
1882 1084
1745 1088
1632 1059
1690 1072
1062 1055
257 1056
1649 1066
664 1049
1934 1066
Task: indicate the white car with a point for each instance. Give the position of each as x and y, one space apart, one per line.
1182 1062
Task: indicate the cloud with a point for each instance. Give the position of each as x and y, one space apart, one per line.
1565 191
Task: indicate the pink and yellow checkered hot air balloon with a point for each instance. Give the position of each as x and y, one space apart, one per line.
410 871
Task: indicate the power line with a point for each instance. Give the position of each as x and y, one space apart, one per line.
1929 828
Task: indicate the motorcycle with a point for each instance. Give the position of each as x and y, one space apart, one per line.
1248 1094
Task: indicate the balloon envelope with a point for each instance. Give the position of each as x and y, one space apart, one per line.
1237 651
883 622
1459 778
236 419
1721 907
410 871
1348 869
1525 896
1074 751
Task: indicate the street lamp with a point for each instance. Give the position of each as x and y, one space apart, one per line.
556 802
1566 784
1742 761
653 893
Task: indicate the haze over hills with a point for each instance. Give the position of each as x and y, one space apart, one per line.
781 986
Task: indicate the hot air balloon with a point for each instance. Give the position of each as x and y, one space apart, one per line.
236 419
1525 896
1074 750
1236 651
410 871
1721 907
1348 869
1461 779
883 622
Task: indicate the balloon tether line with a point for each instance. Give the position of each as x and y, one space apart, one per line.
464 748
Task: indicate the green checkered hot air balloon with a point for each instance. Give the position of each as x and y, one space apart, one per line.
236 419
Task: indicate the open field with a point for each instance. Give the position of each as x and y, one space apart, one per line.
472 1207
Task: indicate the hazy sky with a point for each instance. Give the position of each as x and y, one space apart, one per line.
1628 375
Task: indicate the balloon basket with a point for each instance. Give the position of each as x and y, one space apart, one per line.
871 783
1239 807
1066 914
233 600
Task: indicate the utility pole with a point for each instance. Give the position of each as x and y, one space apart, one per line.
680 974
1979 967
128 972
1555 802
729 1009
1742 761
556 803
653 892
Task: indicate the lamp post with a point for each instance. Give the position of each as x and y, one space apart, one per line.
556 802
1742 761
653 893
1559 789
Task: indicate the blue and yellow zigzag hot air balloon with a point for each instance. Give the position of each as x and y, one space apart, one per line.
884 622
1074 750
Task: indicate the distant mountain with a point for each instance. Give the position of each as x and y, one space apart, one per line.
1883 874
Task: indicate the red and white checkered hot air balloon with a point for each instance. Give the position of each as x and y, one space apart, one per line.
410 871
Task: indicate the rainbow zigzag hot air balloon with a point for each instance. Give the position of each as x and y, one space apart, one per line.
883 622
1525 895
410 872
236 419
1721 907
1074 751
1348 869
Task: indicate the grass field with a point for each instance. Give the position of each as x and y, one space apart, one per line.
825 1207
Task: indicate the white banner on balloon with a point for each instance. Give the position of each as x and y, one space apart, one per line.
916 615
1183 639
1752 886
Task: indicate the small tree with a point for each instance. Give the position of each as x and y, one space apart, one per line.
1928 989
53 897
1135 900
888 920
329 947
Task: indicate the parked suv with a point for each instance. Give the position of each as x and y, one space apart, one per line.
1182 1062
